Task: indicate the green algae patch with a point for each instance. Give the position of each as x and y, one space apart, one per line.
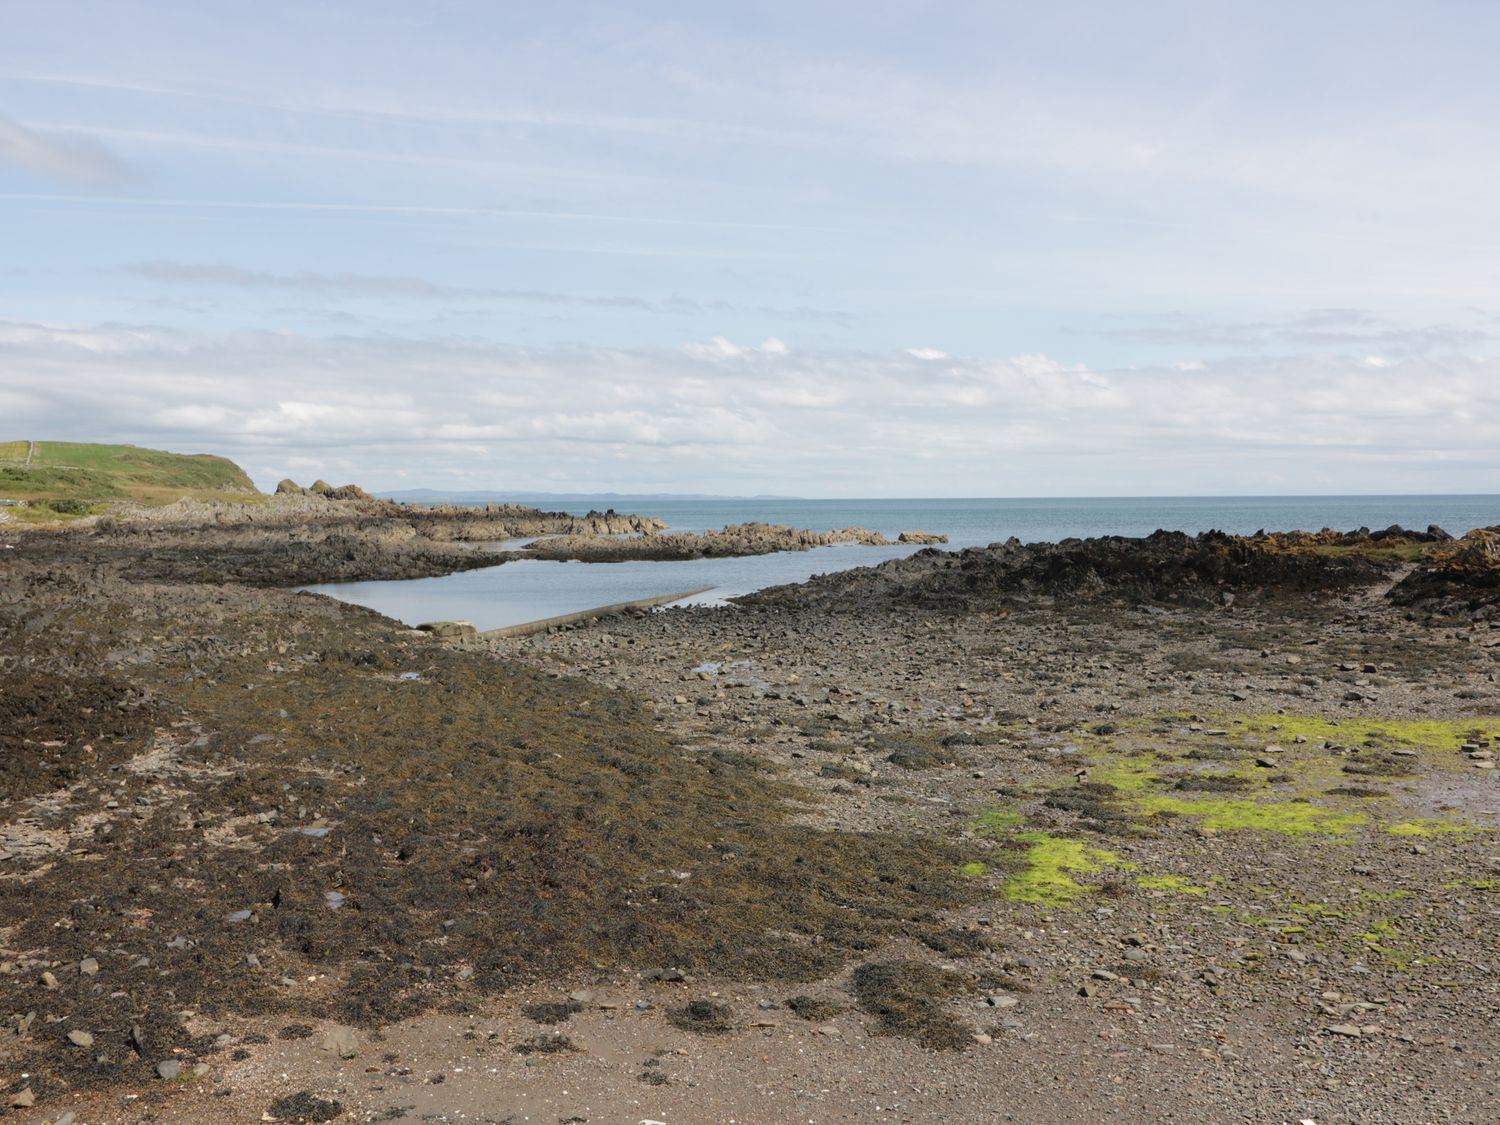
1132 773
1417 734
1433 827
1175 883
975 870
994 822
1051 863
1291 818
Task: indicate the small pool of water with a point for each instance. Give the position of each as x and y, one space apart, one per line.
531 589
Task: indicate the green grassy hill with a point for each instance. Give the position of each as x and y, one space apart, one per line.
72 478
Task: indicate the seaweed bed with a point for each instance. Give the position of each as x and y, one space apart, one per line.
291 806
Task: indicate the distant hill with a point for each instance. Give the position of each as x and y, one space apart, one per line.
70 478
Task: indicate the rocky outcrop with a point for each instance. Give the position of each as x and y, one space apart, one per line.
322 488
1459 579
450 630
733 541
515 521
924 538
306 537
1169 567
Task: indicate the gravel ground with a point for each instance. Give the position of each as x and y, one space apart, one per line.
1217 863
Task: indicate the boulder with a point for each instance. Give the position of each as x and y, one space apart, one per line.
450 630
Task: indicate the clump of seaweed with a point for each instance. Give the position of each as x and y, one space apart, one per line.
546 1045
706 1017
905 997
958 942
814 1009
551 1013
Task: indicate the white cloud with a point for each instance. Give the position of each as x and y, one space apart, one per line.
730 418
72 158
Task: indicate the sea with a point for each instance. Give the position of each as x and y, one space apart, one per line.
532 589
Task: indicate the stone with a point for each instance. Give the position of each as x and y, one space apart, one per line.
21 1099
342 1041
168 1069
89 967
581 996
449 630
80 1039
829 1030
1347 1029
982 1039
49 981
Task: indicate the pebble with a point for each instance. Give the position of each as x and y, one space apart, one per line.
168 1069
80 1039
1348 1029
49 981
829 1030
982 1039
89 967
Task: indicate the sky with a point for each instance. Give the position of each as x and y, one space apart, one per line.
820 248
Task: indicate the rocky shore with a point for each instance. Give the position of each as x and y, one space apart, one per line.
1173 829
734 541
